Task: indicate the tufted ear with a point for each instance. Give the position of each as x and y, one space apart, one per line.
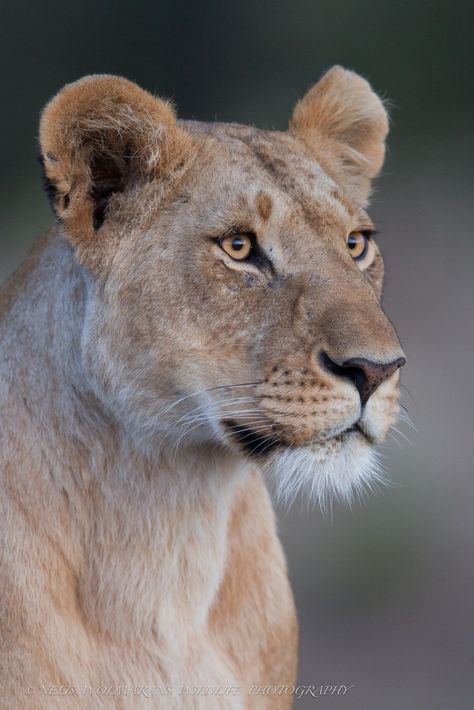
99 136
345 123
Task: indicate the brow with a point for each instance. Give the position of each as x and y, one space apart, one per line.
355 211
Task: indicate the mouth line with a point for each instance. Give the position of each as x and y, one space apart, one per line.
357 429
257 445
251 442
340 436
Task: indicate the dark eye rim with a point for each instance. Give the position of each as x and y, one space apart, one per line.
256 256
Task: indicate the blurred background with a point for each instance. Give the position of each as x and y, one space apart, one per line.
384 590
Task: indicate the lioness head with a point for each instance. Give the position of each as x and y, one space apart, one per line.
233 278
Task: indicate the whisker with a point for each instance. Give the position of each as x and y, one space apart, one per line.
394 438
404 387
235 400
208 406
208 389
402 434
252 431
213 403
202 419
404 417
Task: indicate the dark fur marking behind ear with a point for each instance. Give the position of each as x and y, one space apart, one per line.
48 186
109 175
100 212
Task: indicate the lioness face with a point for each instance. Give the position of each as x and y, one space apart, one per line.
234 277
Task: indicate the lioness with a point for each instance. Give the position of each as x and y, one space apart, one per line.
206 308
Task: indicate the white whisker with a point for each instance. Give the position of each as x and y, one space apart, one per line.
402 435
203 391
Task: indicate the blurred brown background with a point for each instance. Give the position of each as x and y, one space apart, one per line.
385 590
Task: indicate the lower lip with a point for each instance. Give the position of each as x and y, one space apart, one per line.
362 433
348 432
344 434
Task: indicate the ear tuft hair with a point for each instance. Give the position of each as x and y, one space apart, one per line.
97 135
341 117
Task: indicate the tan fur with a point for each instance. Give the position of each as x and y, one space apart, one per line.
138 540
342 114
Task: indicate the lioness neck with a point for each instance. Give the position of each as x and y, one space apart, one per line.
117 524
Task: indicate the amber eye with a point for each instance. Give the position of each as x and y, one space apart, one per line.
238 246
358 244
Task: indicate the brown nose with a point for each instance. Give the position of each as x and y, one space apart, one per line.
364 374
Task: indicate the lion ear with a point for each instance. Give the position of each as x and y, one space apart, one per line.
344 121
99 136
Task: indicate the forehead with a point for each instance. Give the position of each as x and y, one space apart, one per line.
269 174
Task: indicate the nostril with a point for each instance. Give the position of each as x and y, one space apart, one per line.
364 374
349 370
332 366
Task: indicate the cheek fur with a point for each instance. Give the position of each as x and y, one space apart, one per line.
375 273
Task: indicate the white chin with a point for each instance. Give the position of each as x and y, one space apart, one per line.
335 469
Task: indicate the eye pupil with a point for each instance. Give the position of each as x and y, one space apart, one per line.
238 243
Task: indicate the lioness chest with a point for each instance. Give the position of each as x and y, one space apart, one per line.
194 656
